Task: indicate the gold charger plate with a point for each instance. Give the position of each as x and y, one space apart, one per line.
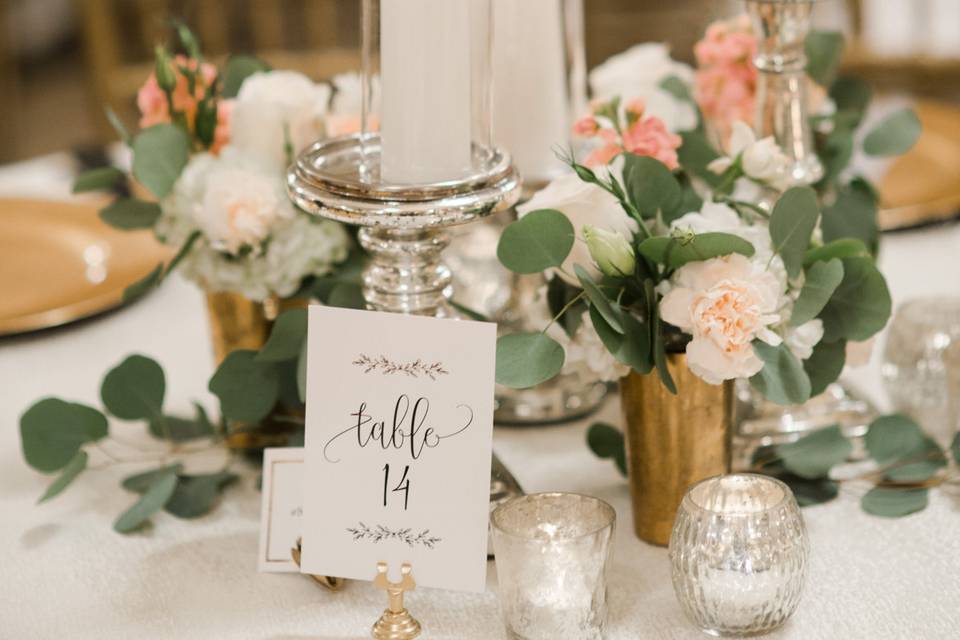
60 263
923 185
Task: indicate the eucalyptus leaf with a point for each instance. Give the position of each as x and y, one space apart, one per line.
918 465
813 455
632 347
526 359
130 213
153 499
238 69
247 389
183 251
695 154
842 248
472 314
177 429
159 155
824 50
536 242
894 135
196 495
140 288
607 442
825 365
894 503
347 295
286 338
70 472
851 95
101 179
822 280
118 126
955 448
889 437
141 482
676 87
860 306
651 186
598 299
783 379
852 216
53 430
134 389
810 492
676 252
560 296
792 222
657 347
302 372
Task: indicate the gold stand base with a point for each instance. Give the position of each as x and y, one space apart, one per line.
396 626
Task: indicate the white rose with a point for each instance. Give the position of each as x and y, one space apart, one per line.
583 203
637 73
761 160
274 107
724 304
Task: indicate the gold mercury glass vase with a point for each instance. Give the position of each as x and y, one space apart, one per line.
236 322
672 441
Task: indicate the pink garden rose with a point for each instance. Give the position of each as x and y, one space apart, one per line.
155 108
724 304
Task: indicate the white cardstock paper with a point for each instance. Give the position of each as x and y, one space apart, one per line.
281 509
398 444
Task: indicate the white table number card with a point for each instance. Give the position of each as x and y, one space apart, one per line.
281 511
398 444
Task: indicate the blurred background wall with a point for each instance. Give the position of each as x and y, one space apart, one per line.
61 60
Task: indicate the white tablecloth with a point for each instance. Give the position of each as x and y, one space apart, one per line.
66 574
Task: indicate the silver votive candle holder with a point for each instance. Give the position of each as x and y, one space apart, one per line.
553 551
739 553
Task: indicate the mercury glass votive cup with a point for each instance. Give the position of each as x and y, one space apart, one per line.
739 553
552 553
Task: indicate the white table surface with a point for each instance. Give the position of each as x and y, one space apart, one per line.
66 574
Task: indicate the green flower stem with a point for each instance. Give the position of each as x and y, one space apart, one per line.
562 311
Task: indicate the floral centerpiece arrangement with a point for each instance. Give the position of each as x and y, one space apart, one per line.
691 248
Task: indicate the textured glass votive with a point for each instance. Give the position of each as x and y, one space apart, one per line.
552 552
739 553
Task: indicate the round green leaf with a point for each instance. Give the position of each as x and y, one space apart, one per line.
101 179
130 213
195 496
247 389
238 69
822 280
813 456
159 155
782 379
676 252
843 248
894 503
288 334
632 347
825 365
894 135
597 299
792 222
527 359
860 306
811 492
141 482
134 389
824 49
76 465
155 497
607 442
890 437
651 186
852 216
536 242
52 432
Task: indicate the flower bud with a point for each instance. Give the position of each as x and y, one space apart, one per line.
610 250
166 78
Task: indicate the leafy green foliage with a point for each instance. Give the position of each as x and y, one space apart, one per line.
842 248
890 437
852 216
69 473
657 346
159 155
598 299
134 389
824 50
792 223
894 503
158 493
286 338
632 347
196 495
177 429
894 135
53 430
822 280
560 296
102 179
651 187
141 482
536 242
695 154
852 97
813 456
607 442
140 288
129 213
677 88
825 365
674 252
247 389
238 69
783 379
860 306
526 359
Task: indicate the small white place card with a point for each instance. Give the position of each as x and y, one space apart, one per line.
398 444
281 509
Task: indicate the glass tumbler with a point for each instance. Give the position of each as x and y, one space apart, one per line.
739 554
552 553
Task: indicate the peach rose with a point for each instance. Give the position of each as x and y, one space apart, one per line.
724 304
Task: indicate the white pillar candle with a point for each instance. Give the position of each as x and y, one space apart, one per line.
425 69
531 117
943 28
890 27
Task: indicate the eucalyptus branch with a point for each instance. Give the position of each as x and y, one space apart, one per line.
562 311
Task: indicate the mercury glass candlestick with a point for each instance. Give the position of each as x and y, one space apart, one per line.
553 551
739 554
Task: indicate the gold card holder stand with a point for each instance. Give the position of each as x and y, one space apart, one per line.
331 583
396 623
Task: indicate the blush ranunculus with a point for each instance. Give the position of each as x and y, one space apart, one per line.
724 304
